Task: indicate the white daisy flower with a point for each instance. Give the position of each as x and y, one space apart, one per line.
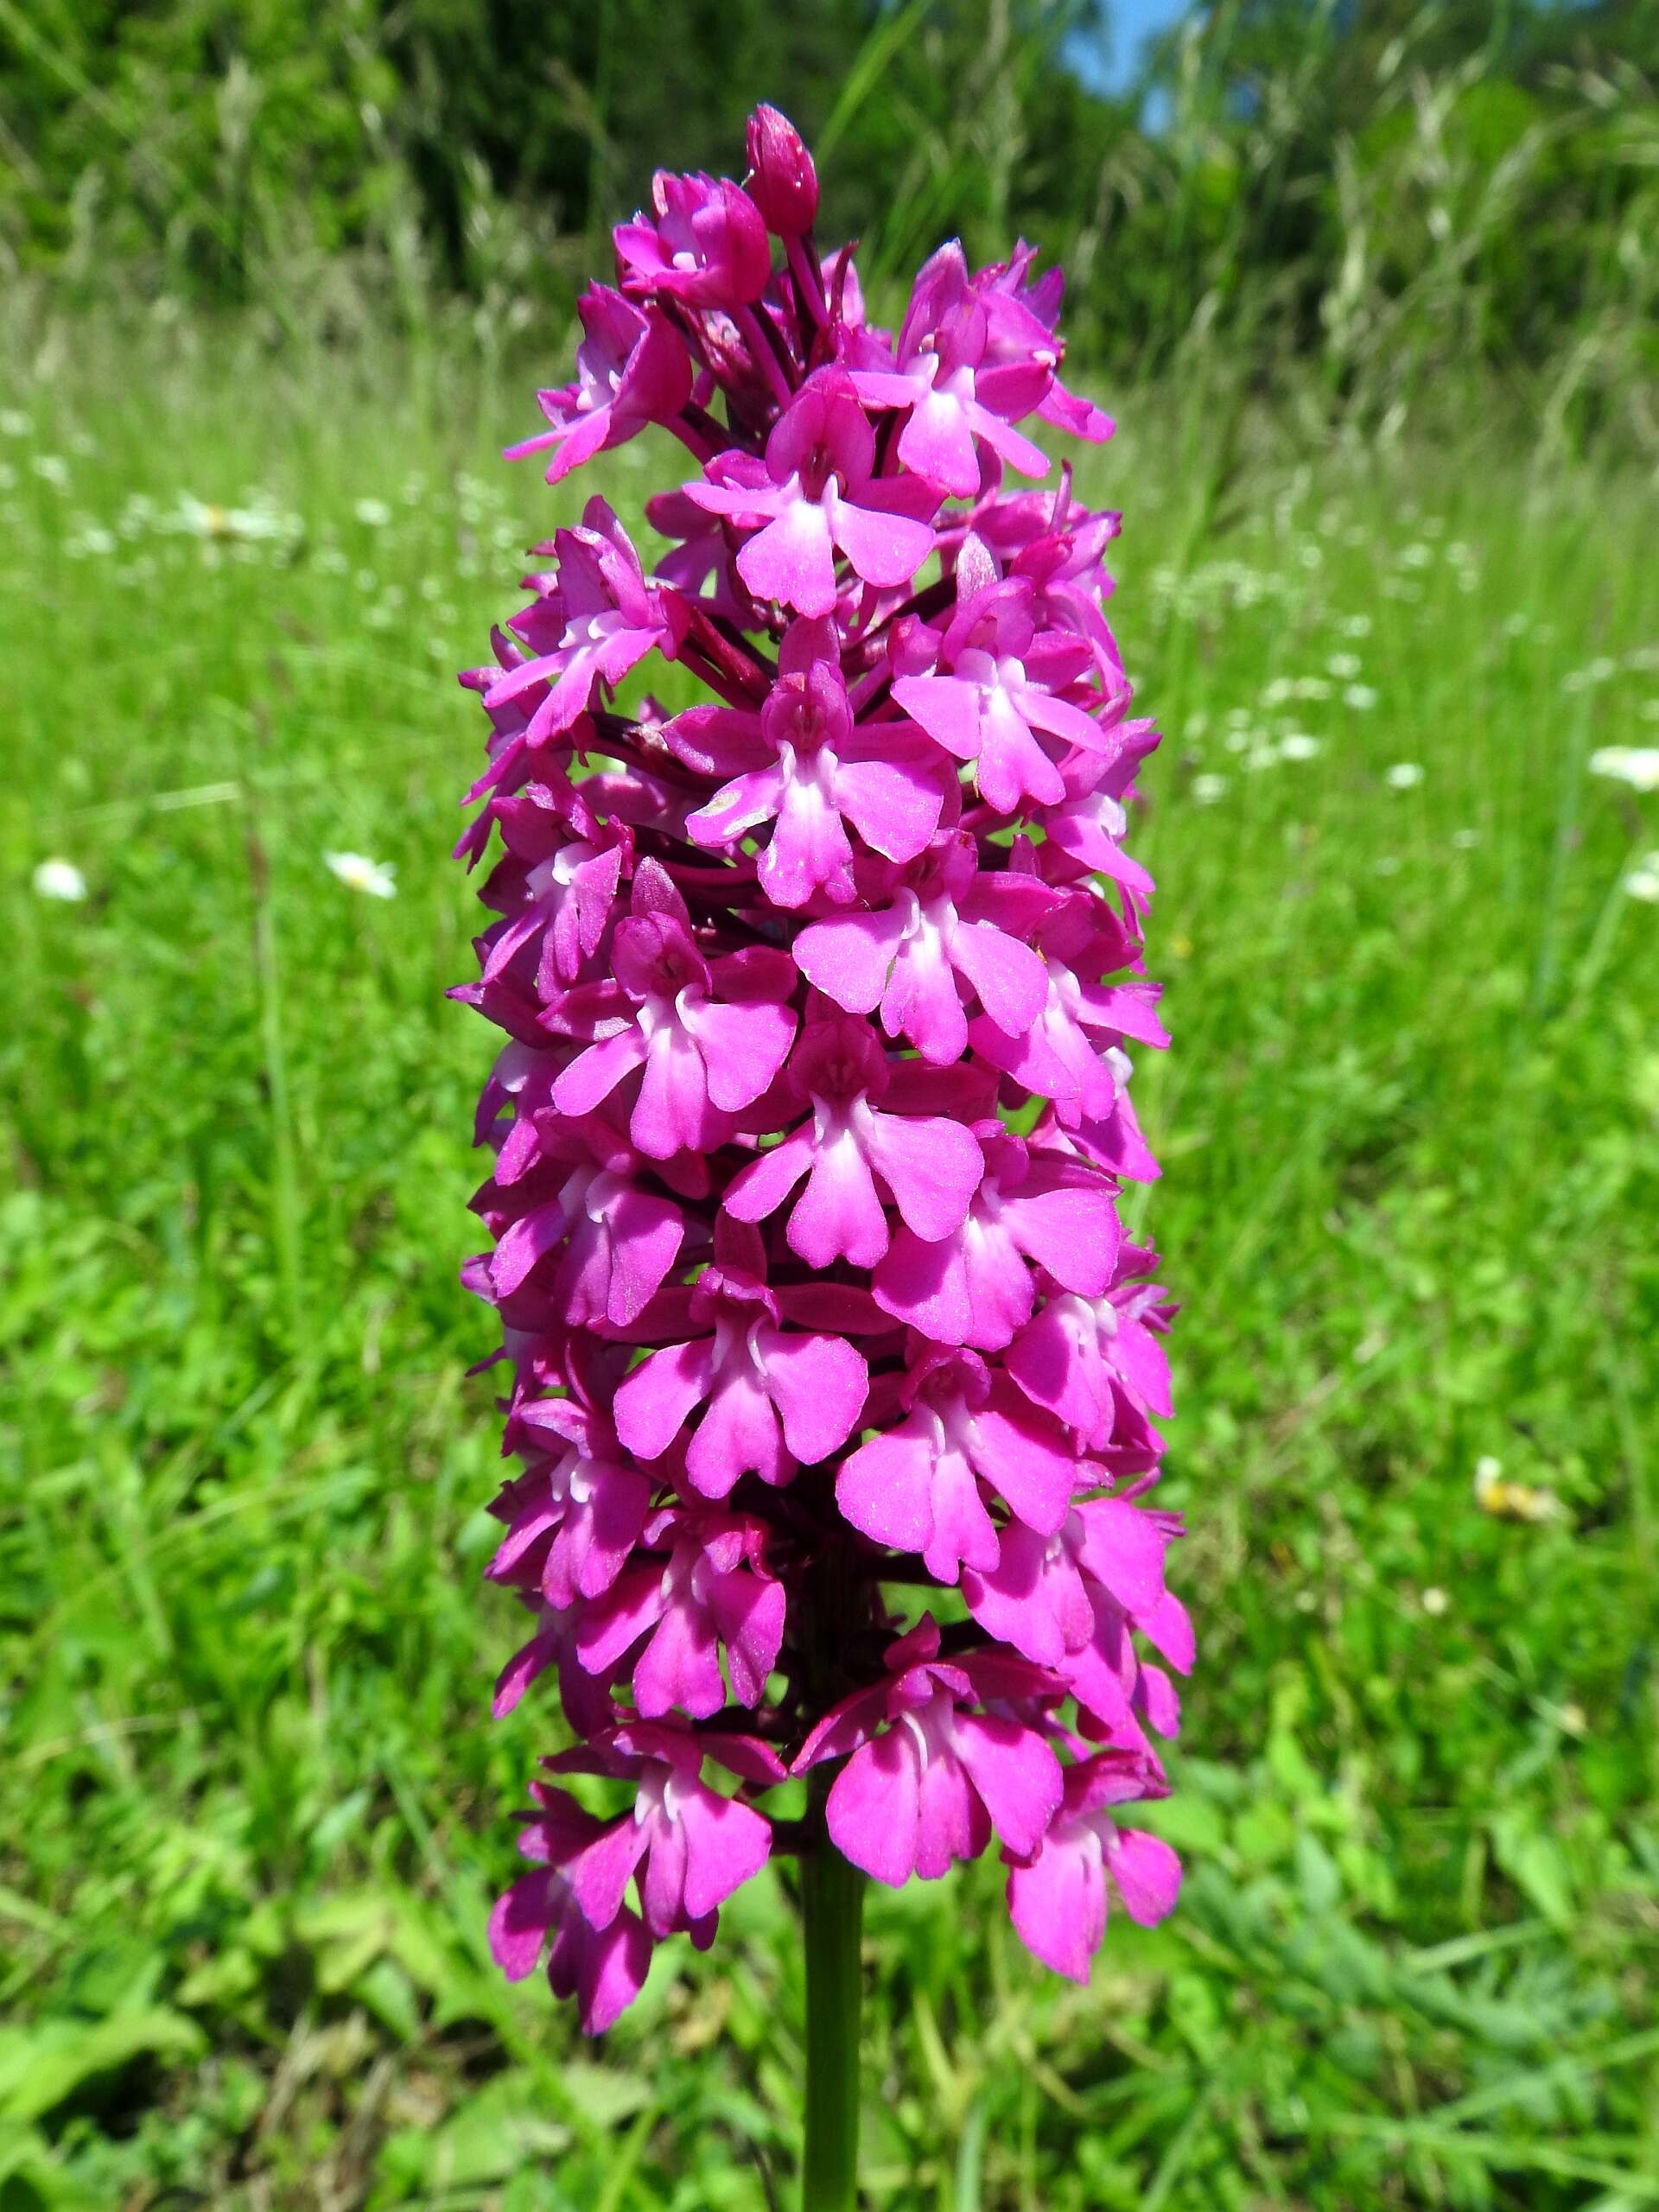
59 880
1404 776
357 873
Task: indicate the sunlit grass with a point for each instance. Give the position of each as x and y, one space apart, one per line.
253 1810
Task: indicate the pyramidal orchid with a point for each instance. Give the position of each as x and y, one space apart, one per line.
831 1376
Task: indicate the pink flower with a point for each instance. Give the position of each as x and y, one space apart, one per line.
593 621
631 370
815 491
1057 1899
929 1165
703 244
974 1287
801 763
773 1399
716 1593
705 1036
953 395
950 927
990 687
933 1784
791 1321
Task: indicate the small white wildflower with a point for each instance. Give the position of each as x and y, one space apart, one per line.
1278 691
1465 840
1635 765
1357 626
1311 687
1298 746
14 424
1642 881
1207 788
1435 1603
374 514
1359 696
1516 625
1261 754
52 469
1415 557
1343 665
1310 555
1404 776
357 873
59 880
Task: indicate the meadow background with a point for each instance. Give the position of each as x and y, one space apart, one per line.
1372 293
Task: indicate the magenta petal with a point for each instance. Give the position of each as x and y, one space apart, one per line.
839 1216
932 1167
518 1924
1058 1905
1015 1773
761 1187
657 1400
848 959
1148 1873
873 1808
1010 978
884 548
947 709
886 1489
819 1385
791 560
726 1845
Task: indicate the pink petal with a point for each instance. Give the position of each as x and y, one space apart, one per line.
1058 1905
848 958
1015 1773
819 1386
884 548
947 707
886 1488
839 1216
743 1047
1148 1873
791 560
1010 978
761 1187
873 1807
593 1075
655 1402
726 1845
932 1167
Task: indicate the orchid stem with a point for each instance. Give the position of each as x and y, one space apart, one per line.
832 1898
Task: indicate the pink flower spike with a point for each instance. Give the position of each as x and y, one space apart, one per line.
792 1326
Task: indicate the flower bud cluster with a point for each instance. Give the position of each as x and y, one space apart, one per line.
814 1111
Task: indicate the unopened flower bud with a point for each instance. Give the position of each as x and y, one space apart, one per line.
784 184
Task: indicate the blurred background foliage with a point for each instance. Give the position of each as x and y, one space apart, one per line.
1378 192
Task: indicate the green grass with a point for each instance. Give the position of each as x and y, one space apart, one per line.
251 1807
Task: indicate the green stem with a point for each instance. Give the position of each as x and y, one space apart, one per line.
832 1898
